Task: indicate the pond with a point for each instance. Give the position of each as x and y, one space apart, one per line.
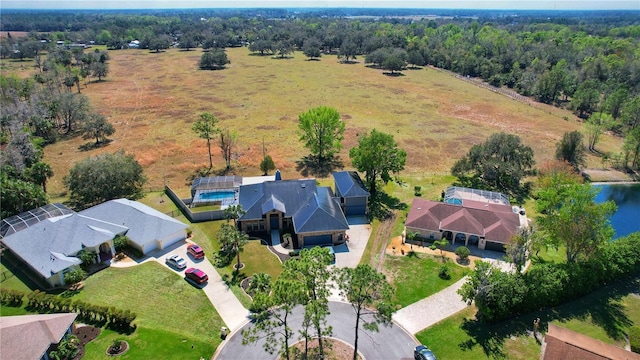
627 196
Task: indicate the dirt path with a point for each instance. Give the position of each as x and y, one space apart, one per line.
380 240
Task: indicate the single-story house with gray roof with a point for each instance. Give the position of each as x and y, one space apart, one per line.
310 212
50 246
149 229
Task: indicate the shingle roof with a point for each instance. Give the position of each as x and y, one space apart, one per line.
563 343
494 222
321 213
145 223
349 184
48 245
293 194
29 336
312 208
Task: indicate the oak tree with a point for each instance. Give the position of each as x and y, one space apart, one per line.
378 156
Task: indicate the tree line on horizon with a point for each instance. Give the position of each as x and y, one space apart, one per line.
587 64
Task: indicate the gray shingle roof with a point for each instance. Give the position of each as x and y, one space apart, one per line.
312 208
321 213
293 194
349 184
48 245
145 223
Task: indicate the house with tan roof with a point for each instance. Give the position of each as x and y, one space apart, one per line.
33 336
487 223
562 343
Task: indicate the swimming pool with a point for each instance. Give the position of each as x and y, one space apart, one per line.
216 195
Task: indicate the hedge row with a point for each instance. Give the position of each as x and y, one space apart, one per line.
634 339
10 297
88 313
551 284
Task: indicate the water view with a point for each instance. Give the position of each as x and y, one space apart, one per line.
627 196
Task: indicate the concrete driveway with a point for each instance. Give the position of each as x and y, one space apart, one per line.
227 305
389 343
350 253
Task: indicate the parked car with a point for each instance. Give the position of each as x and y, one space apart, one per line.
195 251
422 352
176 261
196 275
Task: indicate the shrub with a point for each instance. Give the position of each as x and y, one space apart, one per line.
499 295
417 190
444 273
74 276
120 242
135 251
10 297
463 252
634 339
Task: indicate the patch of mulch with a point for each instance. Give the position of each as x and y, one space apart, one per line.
334 349
124 346
85 334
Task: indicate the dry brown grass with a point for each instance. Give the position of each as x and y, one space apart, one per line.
152 100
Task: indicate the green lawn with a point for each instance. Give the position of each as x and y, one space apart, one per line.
172 314
461 337
13 276
416 277
605 314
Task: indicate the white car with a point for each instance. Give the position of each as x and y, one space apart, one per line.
176 261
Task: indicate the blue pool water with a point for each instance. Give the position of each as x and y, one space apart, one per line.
217 195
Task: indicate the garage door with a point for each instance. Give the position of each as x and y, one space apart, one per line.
317 240
355 206
494 246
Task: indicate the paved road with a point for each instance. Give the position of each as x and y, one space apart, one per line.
390 343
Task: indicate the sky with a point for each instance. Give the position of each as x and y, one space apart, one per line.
427 4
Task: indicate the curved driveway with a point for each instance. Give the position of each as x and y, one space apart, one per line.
390 342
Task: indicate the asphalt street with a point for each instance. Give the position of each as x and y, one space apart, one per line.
390 342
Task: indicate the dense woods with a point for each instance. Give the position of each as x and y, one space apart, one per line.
587 62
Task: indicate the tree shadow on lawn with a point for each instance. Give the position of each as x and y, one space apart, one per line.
93 145
309 165
604 306
382 204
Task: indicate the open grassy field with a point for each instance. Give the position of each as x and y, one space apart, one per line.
153 99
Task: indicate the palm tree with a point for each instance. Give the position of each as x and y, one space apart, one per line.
40 172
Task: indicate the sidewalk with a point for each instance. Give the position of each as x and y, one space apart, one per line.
426 312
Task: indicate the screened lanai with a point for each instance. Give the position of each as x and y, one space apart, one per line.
456 195
214 189
23 220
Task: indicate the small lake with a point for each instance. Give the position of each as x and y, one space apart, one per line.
627 196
